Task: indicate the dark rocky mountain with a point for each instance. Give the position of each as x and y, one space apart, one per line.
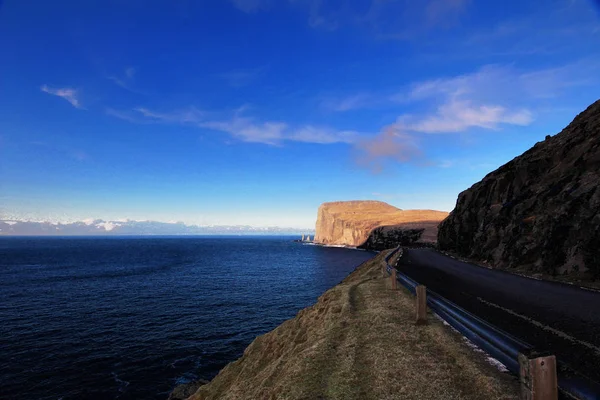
387 237
540 211
410 234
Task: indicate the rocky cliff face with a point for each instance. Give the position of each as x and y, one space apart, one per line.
350 222
387 237
538 212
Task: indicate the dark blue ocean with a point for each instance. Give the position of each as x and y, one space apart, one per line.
130 318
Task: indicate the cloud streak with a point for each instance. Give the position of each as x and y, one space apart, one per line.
444 11
126 80
460 115
69 94
242 77
250 6
391 145
239 126
66 151
348 103
490 97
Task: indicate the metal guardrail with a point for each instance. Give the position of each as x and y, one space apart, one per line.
497 343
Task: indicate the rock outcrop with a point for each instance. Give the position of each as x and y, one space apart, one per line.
185 390
350 222
387 237
540 211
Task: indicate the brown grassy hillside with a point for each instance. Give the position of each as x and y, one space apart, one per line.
359 341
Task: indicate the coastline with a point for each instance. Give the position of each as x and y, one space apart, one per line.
338 246
359 341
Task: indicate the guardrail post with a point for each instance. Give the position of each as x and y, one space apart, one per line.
538 377
394 281
421 302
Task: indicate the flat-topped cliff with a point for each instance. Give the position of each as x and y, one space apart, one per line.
351 222
539 212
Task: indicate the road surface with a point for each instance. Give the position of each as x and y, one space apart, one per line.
562 318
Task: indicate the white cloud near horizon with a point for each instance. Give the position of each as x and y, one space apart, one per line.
69 94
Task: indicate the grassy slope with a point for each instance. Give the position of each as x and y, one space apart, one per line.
359 341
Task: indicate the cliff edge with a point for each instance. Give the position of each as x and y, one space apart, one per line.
539 212
351 222
360 342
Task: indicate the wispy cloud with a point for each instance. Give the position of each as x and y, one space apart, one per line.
242 77
444 11
130 72
460 115
506 83
554 82
490 97
250 6
66 151
248 130
319 18
69 94
240 126
126 80
312 134
546 30
191 115
124 115
391 145
347 103
391 19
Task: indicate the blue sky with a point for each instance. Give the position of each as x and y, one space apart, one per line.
256 111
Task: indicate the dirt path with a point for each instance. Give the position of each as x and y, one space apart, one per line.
359 341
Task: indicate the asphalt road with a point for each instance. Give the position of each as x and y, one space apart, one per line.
560 318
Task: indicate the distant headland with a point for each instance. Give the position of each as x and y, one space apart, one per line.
374 225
